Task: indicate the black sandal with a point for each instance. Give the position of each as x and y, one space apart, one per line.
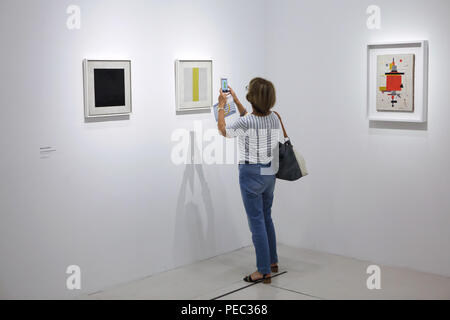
265 279
274 269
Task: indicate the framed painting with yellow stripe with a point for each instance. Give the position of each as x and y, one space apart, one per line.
193 85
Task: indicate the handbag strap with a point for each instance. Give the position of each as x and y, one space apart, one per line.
282 125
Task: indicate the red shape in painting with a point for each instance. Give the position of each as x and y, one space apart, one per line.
393 82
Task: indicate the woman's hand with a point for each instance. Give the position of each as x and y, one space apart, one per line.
233 94
223 97
239 105
221 125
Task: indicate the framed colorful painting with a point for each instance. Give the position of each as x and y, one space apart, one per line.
193 85
397 81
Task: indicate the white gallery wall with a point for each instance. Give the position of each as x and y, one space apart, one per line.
376 191
109 199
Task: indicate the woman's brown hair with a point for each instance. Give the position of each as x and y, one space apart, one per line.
261 94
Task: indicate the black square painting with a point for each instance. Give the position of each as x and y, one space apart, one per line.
109 86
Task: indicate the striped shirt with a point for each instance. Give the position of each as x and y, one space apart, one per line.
258 137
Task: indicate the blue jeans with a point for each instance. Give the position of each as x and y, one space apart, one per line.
257 194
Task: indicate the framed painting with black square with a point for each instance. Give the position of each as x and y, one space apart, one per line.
107 88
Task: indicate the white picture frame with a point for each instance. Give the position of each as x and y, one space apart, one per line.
116 106
203 101
420 51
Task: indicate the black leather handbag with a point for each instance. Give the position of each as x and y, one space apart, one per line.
292 165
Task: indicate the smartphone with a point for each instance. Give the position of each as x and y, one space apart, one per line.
224 85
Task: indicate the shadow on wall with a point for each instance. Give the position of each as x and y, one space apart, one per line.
398 125
107 119
193 240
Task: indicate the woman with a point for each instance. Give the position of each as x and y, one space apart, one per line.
258 134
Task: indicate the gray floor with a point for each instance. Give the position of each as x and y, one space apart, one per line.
310 275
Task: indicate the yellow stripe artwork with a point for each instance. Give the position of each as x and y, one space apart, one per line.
195 85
